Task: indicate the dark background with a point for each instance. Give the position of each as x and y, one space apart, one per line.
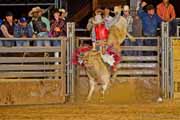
73 6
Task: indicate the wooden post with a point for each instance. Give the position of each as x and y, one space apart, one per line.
94 4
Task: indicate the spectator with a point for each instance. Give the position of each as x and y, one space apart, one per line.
40 25
7 29
22 30
43 34
58 26
166 11
150 22
137 26
129 18
38 20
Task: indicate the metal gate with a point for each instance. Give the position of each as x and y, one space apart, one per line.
163 70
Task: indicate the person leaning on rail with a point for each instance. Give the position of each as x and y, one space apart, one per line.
7 29
58 25
166 11
129 18
40 26
150 22
22 30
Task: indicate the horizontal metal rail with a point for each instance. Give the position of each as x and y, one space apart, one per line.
34 39
89 38
26 4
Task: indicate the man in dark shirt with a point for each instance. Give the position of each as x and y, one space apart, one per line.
7 29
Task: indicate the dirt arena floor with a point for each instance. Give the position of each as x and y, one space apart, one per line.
152 111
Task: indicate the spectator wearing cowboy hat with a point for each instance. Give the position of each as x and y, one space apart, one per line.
129 19
150 22
7 29
38 19
22 30
58 25
40 25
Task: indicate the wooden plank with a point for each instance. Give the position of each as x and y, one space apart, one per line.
29 59
139 58
140 48
29 49
137 65
28 67
28 74
94 4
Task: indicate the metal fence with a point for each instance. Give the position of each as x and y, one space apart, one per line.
44 70
139 66
70 78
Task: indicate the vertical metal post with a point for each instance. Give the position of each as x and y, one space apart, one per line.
68 59
133 6
70 66
167 67
163 83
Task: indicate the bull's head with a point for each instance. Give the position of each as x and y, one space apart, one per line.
91 57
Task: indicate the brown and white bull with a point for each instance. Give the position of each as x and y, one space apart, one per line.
97 72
